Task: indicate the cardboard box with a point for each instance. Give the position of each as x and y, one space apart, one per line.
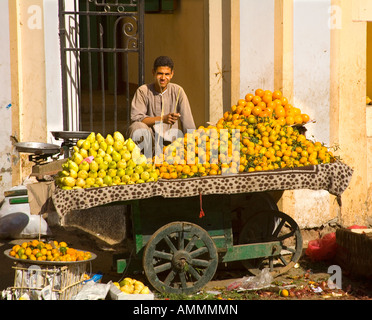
116 294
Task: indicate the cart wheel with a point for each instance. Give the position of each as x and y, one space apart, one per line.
180 258
272 225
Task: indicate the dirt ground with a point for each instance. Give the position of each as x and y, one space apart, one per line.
302 282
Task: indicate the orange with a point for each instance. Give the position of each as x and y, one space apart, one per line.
267 98
277 94
239 109
259 92
212 172
305 118
249 97
256 99
242 102
186 169
173 175
256 110
289 120
298 119
281 121
247 111
279 111
262 105
284 101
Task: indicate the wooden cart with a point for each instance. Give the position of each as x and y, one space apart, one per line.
184 228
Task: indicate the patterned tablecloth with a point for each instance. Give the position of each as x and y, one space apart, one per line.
333 177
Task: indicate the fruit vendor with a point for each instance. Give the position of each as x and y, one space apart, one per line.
157 107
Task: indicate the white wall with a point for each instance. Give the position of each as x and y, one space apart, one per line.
52 70
311 64
311 93
256 45
5 102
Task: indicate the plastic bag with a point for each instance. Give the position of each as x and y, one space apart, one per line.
263 280
93 291
322 249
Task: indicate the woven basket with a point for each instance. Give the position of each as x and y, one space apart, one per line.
62 281
354 251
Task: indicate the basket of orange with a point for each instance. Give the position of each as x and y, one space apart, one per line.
48 270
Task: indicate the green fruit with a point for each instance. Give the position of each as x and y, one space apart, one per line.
65 165
129 171
85 145
73 165
103 165
98 159
91 138
116 180
134 177
115 156
107 180
95 145
138 169
93 166
154 175
145 175
77 158
83 174
103 146
79 143
126 155
80 182
93 174
64 173
102 173
90 181
68 181
112 172
112 164
84 165
131 164
107 158
73 173
110 149
130 144
109 140
121 164
92 152
118 136
118 145
99 138
99 181
120 172
84 153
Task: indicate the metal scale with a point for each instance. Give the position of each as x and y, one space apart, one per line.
46 156
69 139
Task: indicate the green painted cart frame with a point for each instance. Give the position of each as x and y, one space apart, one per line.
179 250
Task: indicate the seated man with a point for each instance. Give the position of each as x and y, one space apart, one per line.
157 107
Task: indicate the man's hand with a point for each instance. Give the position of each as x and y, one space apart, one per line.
171 118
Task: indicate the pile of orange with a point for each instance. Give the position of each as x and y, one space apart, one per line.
260 132
53 251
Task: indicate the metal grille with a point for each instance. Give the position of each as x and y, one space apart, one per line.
102 60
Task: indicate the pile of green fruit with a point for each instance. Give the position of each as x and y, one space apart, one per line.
99 161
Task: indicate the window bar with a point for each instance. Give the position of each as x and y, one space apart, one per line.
101 32
89 70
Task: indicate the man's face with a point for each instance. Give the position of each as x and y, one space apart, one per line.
162 76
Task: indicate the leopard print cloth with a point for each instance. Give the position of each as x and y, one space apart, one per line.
333 177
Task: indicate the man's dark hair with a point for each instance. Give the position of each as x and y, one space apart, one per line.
163 61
